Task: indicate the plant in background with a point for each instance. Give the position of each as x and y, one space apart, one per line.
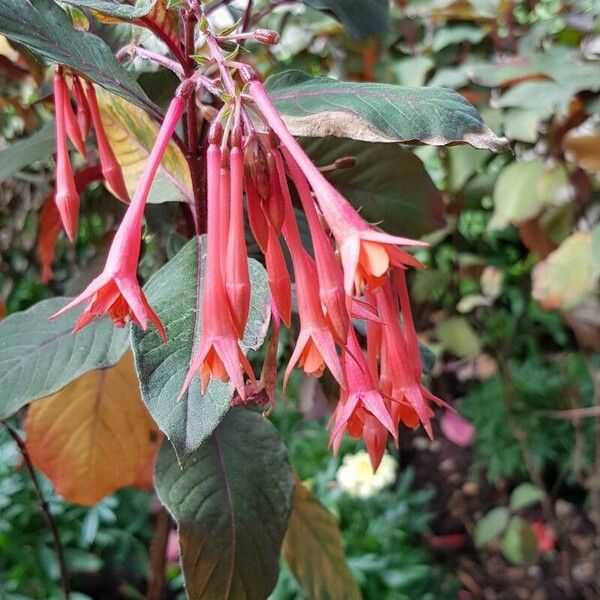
226 150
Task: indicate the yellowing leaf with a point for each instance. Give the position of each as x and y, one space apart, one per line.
568 275
312 548
131 133
95 435
515 196
582 145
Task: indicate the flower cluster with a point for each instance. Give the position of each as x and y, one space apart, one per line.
352 271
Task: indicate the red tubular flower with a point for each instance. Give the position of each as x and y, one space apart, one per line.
73 130
407 389
331 282
83 110
360 401
218 354
110 166
117 291
237 278
66 196
360 244
315 346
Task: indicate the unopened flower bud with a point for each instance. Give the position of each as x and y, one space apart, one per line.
266 36
345 162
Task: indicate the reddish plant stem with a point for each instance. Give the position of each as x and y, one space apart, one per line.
158 559
193 155
64 574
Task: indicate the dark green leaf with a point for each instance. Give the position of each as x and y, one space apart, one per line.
378 112
313 550
361 19
39 357
44 28
115 8
231 502
389 184
174 292
26 151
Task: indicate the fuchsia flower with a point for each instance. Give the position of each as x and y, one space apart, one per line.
110 166
364 403
219 354
315 346
117 291
331 284
65 195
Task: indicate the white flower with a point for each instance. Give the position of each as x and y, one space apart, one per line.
356 477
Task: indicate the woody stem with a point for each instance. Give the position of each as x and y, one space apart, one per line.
193 154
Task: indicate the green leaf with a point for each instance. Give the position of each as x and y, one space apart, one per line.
132 134
313 550
361 19
26 151
174 292
39 357
524 495
515 196
458 34
388 184
457 336
567 276
377 112
115 8
519 544
232 502
44 28
490 526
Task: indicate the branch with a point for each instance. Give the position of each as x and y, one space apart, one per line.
64 575
158 549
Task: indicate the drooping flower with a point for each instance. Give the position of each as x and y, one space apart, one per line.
65 195
110 166
331 283
363 403
218 354
116 291
365 251
407 391
83 110
315 346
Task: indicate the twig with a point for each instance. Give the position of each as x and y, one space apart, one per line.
64 574
158 550
191 126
